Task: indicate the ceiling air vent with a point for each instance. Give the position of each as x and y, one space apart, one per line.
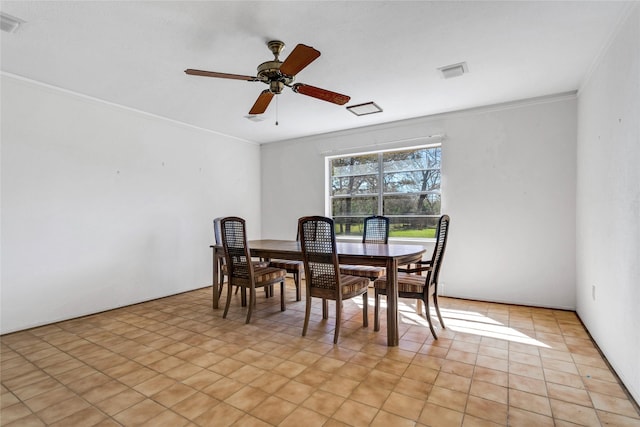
454 70
8 23
364 109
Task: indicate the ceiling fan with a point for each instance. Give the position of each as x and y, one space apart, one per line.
278 74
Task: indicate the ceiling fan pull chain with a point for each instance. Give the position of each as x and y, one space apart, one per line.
277 110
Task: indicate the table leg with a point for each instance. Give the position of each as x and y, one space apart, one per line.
392 303
215 279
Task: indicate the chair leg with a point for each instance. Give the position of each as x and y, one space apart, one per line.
307 313
226 306
221 274
338 321
376 312
252 302
325 309
296 279
282 307
365 310
435 304
222 281
243 295
426 309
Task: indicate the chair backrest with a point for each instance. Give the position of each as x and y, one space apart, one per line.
442 233
318 244
217 232
236 249
376 229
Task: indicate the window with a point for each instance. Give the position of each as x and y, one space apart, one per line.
401 184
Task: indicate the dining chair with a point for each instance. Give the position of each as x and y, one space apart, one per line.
322 272
417 286
222 265
241 271
376 230
417 267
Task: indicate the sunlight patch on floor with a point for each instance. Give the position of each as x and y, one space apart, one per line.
499 332
468 322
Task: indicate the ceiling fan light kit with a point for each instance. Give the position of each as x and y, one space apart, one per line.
254 118
278 74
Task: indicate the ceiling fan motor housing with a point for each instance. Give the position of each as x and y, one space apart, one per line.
269 72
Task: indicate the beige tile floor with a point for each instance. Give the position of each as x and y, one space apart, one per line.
176 362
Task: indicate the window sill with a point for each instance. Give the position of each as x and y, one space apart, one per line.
399 241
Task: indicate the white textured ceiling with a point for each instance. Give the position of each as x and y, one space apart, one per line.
134 53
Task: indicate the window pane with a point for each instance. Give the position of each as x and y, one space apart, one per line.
412 204
408 160
362 184
354 206
349 226
411 182
413 227
355 165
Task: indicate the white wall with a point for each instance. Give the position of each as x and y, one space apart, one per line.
104 207
608 203
508 183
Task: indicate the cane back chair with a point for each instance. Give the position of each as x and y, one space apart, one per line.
322 271
241 271
222 265
376 230
417 286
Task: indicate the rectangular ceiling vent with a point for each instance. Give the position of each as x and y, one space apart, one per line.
8 23
364 109
454 70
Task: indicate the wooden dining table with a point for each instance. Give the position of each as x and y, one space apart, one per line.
373 254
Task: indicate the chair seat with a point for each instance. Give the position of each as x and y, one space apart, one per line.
287 265
294 267
353 284
266 275
409 283
363 271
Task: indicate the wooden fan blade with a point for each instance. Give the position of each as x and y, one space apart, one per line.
323 94
193 72
262 102
300 57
